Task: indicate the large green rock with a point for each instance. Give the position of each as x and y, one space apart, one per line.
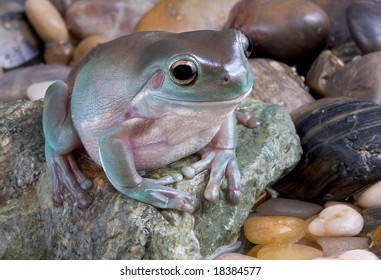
116 227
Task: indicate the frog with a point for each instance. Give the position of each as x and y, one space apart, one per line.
143 101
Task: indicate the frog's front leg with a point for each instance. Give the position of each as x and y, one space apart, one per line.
61 139
219 157
116 153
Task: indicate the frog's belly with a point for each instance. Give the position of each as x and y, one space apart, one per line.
149 156
159 154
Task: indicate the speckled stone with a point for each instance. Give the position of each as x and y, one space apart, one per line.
116 227
288 207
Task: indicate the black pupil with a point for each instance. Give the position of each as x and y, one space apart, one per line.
249 46
183 72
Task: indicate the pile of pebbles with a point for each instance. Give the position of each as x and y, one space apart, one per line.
289 229
333 48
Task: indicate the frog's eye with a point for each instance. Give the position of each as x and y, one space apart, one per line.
247 45
183 72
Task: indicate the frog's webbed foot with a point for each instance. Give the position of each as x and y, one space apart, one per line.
66 174
154 192
221 163
245 118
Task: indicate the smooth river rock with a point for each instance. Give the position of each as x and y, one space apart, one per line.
338 29
288 207
14 83
325 65
110 19
359 79
18 42
186 15
47 21
282 29
116 227
364 21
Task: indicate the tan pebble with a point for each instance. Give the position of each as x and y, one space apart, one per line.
37 91
337 220
376 236
274 229
181 16
334 202
370 197
235 256
288 252
58 53
85 46
47 21
254 251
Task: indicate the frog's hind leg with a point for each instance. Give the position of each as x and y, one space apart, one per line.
117 159
60 140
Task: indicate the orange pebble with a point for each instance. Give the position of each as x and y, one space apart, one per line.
274 229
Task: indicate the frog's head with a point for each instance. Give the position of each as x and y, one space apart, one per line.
199 68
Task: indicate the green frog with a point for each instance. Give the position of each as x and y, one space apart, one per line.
146 100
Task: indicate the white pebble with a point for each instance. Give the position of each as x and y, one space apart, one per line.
337 220
370 197
37 91
358 254
334 202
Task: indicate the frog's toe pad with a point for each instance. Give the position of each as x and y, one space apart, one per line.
188 172
212 194
84 200
234 196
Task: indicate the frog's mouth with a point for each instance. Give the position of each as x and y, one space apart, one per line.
226 101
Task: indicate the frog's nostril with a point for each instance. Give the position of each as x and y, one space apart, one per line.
226 79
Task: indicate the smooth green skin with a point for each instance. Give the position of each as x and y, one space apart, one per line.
122 105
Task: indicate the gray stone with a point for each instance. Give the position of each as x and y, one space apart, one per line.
358 79
278 83
288 207
116 227
14 83
18 42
